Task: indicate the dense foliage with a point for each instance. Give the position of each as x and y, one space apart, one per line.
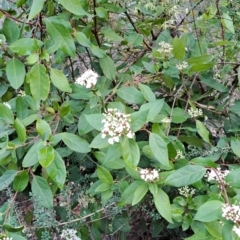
119 119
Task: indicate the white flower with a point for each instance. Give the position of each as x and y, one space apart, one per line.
7 238
182 66
195 112
116 124
165 48
166 120
149 175
231 213
236 230
179 154
21 93
69 234
217 175
186 191
7 104
88 79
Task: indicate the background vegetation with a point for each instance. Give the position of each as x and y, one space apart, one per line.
119 119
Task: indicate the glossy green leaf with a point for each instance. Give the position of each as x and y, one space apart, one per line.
43 129
15 71
214 228
201 59
25 46
154 108
60 35
103 187
162 203
74 6
10 30
201 235
12 229
135 39
6 114
206 162
82 39
178 49
104 175
235 145
95 120
57 170
7 178
179 115
202 131
75 143
186 175
46 156
209 211
139 193
130 152
20 182
138 119
39 82
31 158
228 22
201 67
42 191
131 95
110 34
101 12
99 142
233 178
20 129
147 92
35 9
98 52
59 80
210 82
108 67
159 149
21 108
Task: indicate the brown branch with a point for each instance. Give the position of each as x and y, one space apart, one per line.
95 31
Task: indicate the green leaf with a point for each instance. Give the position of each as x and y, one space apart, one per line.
25 46
104 175
202 131
75 143
101 12
159 149
20 182
178 49
42 191
7 178
57 170
39 82
99 142
60 34
206 162
233 178
31 158
201 67
210 82
82 39
162 203
135 39
74 6
35 9
20 129
6 114
15 71
21 108
179 115
201 59
130 152
110 34
20 2
43 129
10 30
108 67
209 211
154 108
201 235
215 229
98 52
147 92
139 193
186 175
46 156
138 119
235 145
228 22
59 80
95 120
131 95
103 187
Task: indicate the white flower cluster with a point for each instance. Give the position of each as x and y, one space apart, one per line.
21 93
116 124
231 213
182 66
149 175
7 238
7 104
179 154
236 230
166 120
88 79
165 48
68 234
217 175
195 112
186 191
